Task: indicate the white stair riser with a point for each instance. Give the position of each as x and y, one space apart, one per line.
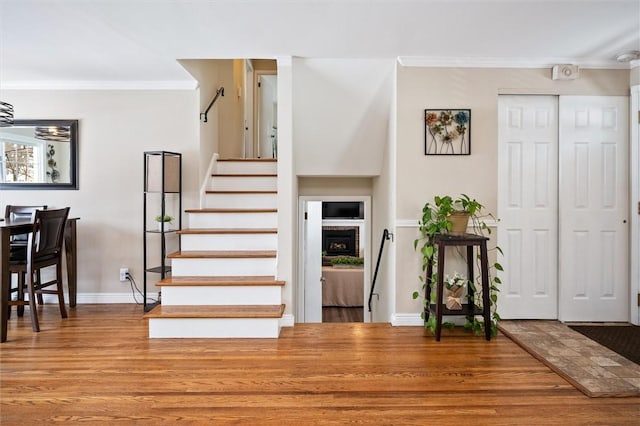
243 183
221 295
229 242
233 220
223 267
247 167
241 201
214 328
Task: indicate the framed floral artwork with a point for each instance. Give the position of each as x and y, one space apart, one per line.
447 131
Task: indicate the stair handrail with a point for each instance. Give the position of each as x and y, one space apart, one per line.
219 92
386 235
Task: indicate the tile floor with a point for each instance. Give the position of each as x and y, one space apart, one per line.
592 368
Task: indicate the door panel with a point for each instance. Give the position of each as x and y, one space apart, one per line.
313 262
593 209
527 206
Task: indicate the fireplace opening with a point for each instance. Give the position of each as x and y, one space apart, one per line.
339 242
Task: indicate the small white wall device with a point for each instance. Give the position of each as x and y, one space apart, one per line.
564 72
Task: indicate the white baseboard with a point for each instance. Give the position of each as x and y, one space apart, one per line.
404 320
88 298
287 320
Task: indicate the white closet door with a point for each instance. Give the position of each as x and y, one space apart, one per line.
527 206
594 229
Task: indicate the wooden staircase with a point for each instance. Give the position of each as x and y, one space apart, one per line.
222 283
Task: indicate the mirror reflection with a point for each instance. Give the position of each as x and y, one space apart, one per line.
39 154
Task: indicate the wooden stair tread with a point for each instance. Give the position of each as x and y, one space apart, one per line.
249 160
248 192
222 254
231 210
220 281
204 231
223 311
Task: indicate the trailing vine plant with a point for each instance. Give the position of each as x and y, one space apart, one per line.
52 174
436 220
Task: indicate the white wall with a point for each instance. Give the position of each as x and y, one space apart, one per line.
115 128
287 190
384 214
635 75
219 133
341 114
420 177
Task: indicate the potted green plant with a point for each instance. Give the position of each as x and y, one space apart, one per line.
437 219
166 219
347 262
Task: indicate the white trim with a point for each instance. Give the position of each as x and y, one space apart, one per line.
288 320
415 319
413 223
102 85
475 62
406 320
100 298
634 64
634 199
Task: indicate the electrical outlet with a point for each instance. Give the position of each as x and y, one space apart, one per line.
123 274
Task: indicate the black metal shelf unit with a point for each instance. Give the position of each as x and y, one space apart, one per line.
162 197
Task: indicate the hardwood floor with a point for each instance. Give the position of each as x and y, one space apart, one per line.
98 365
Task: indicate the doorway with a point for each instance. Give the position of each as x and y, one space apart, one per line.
334 259
259 89
563 207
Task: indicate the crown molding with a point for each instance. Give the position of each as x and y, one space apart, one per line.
474 62
101 85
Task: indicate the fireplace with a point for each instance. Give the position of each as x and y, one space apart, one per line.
340 241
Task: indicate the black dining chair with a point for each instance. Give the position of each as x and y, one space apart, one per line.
18 243
20 212
44 248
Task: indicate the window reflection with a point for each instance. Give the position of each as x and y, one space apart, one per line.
20 162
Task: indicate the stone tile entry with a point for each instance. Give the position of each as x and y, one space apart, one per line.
592 368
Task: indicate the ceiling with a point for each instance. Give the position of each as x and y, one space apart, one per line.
84 41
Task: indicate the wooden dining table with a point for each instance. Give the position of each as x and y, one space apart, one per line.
10 227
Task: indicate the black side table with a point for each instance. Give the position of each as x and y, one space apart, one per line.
441 241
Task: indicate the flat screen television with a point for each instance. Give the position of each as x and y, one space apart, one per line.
343 210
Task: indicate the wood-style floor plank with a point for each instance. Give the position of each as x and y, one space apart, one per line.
99 365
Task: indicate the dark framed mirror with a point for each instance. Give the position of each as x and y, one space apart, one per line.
39 154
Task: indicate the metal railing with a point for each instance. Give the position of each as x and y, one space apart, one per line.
219 92
386 235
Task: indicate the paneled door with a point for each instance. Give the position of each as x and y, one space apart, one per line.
594 225
527 206
563 207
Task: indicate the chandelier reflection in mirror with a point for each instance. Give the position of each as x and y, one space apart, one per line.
6 114
53 133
